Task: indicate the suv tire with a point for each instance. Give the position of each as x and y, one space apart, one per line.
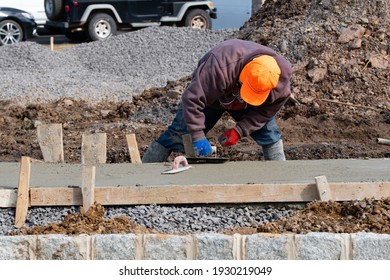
198 19
10 32
101 26
53 9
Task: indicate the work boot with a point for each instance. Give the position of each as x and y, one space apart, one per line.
274 151
156 153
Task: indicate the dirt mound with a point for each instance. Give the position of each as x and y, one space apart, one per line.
367 215
88 222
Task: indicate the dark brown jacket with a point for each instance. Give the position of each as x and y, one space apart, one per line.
216 78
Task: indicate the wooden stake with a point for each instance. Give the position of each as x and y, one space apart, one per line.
50 141
88 186
188 148
383 141
294 100
323 188
93 148
133 148
22 200
51 43
351 105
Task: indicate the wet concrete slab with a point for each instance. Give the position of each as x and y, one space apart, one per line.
247 172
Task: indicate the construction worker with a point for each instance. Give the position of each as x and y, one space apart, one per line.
249 81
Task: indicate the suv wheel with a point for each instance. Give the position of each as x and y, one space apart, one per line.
101 26
198 19
53 9
10 32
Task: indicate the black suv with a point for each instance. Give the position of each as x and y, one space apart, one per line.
85 20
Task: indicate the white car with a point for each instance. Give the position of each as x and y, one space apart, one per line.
34 7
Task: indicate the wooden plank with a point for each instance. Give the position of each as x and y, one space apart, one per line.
23 191
88 186
93 148
223 193
323 188
359 191
8 197
133 148
383 141
188 148
51 142
56 196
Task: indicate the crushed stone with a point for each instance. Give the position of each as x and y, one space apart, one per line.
113 70
162 219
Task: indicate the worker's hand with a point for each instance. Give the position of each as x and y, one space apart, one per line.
202 147
229 138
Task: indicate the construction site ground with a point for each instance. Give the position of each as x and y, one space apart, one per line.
333 118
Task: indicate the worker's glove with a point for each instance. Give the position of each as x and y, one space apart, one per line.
229 138
202 146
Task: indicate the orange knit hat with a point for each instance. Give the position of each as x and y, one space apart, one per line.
258 78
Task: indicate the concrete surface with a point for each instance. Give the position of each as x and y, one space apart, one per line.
256 172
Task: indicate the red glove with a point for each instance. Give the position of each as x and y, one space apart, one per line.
229 138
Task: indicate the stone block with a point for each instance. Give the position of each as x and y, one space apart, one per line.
164 247
62 247
17 247
114 247
370 246
267 247
214 247
319 246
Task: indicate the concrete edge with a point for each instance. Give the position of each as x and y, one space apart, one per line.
312 246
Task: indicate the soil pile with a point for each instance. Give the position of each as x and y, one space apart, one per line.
340 52
367 215
88 222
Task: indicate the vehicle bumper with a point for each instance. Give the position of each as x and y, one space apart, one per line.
30 30
57 24
213 13
63 24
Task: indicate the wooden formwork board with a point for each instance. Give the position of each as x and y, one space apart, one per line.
22 201
51 142
133 148
172 194
88 186
8 197
132 184
93 148
194 194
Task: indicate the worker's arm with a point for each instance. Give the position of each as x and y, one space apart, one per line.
207 86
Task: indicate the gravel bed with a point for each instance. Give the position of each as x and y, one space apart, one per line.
165 219
116 69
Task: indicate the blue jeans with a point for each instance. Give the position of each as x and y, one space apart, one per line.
171 139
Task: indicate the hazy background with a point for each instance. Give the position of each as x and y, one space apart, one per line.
232 13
